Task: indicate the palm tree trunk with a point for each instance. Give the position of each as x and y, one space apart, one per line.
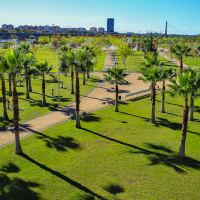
3 89
88 75
30 86
116 97
27 90
83 78
18 149
181 64
72 81
78 125
10 87
191 107
153 104
163 98
184 130
43 92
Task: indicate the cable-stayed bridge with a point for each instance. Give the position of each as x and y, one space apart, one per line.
169 29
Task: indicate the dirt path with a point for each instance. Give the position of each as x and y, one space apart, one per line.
103 96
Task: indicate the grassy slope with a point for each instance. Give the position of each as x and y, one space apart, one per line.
30 106
113 150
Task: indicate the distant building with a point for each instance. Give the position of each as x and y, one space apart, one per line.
101 30
10 27
110 25
93 29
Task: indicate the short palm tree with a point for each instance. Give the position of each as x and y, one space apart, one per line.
14 60
117 74
43 69
152 75
65 48
183 87
3 69
179 51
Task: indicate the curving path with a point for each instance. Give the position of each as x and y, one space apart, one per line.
103 96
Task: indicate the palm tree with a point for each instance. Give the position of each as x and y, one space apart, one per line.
43 69
195 78
28 61
165 74
117 74
184 88
71 59
25 48
65 48
3 68
179 51
152 75
14 60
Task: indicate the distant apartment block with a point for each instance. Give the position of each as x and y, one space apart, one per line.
93 29
101 30
110 25
9 27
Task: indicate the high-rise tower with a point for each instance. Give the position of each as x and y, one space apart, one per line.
110 25
166 29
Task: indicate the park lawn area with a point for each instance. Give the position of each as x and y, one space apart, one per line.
192 61
100 62
32 108
132 62
115 155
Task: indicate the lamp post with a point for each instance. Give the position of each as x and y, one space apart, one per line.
58 53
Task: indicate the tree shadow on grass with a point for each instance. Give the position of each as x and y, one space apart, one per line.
114 189
60 143
61 176
170 160
16 188
5 123
161 155
90 118
168 124
10 168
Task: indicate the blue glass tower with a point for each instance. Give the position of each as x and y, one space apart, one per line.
110 25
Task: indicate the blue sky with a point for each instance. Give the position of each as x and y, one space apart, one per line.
129 15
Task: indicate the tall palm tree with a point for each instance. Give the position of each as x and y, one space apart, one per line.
180 51
3 68
165 74
184 88
71 57
79 66
14 60
28 61
152 75
43 69
117 74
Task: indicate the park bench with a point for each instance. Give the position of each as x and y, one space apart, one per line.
137 93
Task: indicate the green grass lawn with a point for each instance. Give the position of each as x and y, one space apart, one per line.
191 61
100 63
134 61
114 156
32 108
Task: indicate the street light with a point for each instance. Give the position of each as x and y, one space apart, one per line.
58 53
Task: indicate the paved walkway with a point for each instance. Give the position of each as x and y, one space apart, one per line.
110 60
103 96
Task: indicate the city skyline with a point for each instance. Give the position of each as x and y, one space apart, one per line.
130 16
